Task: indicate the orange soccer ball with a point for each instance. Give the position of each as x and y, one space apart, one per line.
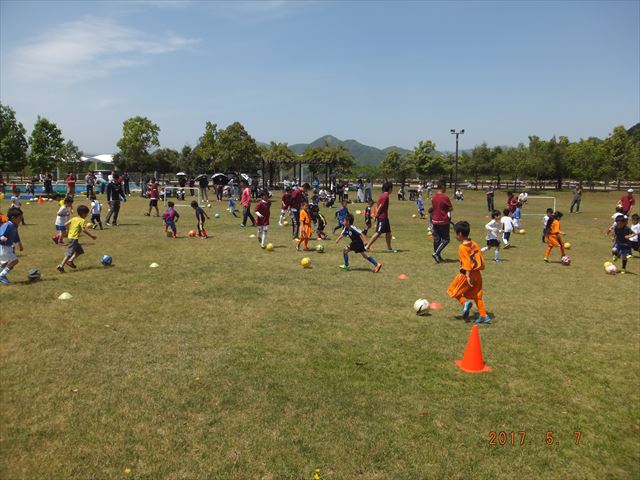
192 233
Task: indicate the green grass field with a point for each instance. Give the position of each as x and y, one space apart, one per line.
229 362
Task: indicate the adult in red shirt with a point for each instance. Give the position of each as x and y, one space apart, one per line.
441 218
71 184
627 202
382 218
297 196
154 195
245 200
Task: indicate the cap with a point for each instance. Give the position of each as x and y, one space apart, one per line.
630 190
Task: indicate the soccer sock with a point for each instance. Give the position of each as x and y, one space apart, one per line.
443 243
481 309
306 243
5 272
264 238
562 250
346 258
462 300
373 261
624 262
497 254
484 249
506 242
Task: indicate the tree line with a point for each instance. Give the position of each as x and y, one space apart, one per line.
233 149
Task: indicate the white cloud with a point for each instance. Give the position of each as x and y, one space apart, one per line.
88 48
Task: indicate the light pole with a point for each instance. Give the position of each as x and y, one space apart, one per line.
455 178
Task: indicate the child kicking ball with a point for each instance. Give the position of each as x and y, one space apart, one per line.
358 241
75 226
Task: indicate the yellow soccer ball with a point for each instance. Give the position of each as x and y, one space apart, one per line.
269 247
414 216
306 262
522 232
567 245
285 223
606 264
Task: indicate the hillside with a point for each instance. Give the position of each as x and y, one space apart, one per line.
634 132
363 154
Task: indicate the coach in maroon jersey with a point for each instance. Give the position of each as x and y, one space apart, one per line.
297 196
382 217
441 218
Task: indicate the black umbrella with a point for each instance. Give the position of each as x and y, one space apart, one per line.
220 179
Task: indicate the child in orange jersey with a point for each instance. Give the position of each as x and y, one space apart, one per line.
305 226
467 285
554 235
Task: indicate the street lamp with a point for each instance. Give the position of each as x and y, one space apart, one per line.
457 134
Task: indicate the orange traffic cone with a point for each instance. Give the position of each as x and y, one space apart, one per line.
472 361
40 199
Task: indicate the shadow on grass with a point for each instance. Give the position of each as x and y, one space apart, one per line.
33 282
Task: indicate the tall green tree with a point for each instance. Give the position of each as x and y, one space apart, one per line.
71 155
165 160
339 159
396 166
13 143
207 148
425 160
587 161
618 147
46 146
237 150
275 156
139 135
191 162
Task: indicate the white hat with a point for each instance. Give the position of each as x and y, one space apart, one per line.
630 190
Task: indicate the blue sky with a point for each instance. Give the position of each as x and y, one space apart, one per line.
381 73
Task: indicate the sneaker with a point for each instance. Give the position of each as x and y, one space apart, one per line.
485 320
107 224
546 259
71 264
263 246
436 257
60 268
614 258
466 309
4 280
391 250
378 267
623 271
242 225
497 260
147 214
346 267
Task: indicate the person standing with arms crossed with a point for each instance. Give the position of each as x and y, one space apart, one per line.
382 218
441 218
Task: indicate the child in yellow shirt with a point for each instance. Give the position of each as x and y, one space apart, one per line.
76 226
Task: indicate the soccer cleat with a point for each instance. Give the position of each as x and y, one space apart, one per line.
436 257
614 258
546 259
344 267
71 264
497 260
378 267
108 224
623 271
60 268
4 280
466 309
485 319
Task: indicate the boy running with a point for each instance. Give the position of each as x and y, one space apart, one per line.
305 226
200 216
622 243
263 212
62 217
635 228
96 209
358 241
467 284
554 235
285 205
8 238
76 226
545 222
493 228
507 227
341 214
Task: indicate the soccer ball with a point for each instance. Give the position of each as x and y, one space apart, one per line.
606 264
566 260
285 223
358 212
421 306
320 248
34 275
611 269
306 262
208 205
414 216
217 215
269 247
169 233
567 246
106 260
521 231
192 233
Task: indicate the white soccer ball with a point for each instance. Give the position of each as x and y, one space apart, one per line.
611 269
421 306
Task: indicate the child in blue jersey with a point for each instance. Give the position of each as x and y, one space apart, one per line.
517 215
200 216
232 207
420 204
341 214
8 238
358 241
169 218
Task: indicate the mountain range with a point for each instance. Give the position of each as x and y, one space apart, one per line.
363 154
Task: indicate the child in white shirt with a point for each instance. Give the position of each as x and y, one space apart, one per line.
493 227
545 221
506 227
635 228
62 217
96 210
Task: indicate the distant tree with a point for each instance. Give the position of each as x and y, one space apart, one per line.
139 135
46 146
396 166
512 161
165 160
71 155
191 162
555 154
13 143
618 146
339 159
274 156
425 160
237 150
587 160
207 148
